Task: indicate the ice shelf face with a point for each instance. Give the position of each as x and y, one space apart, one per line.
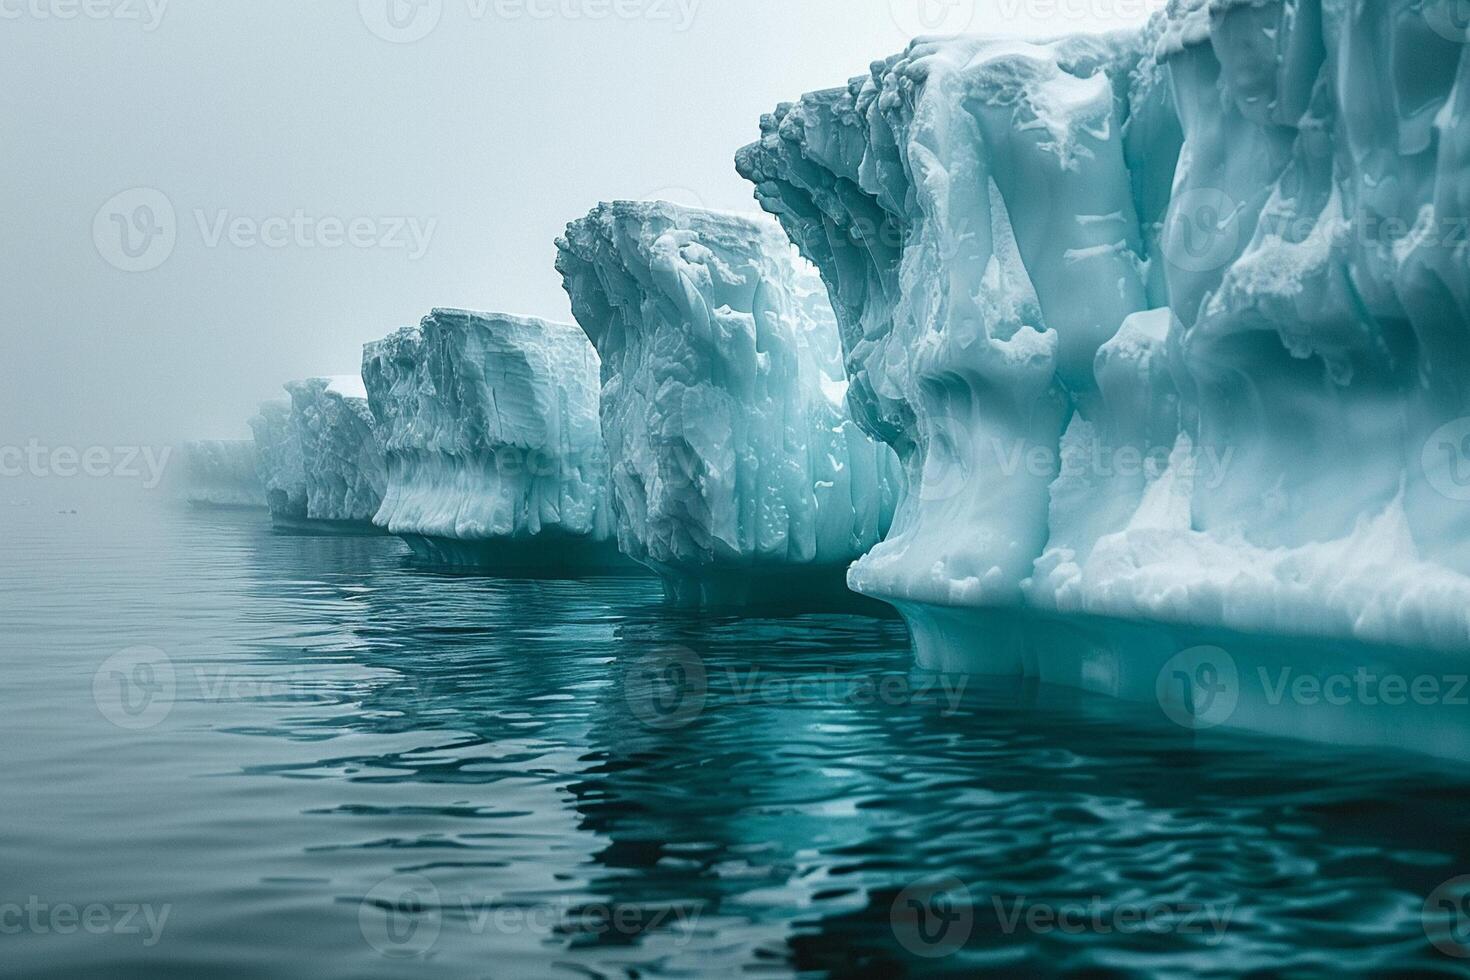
494 447
737 471
222 474
340 451
1170 325
279 462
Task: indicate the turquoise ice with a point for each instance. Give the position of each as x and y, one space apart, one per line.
493 444
1168 326
738 472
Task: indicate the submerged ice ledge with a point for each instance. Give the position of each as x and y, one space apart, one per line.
1215 249
738 473
493 446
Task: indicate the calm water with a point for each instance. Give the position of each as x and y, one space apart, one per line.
325 762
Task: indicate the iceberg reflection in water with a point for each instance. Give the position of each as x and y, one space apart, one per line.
301 754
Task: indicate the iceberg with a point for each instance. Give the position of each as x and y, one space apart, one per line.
1170 329
738 473
279 462
222 474
341 456
493 444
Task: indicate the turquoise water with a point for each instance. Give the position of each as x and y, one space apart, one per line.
236 753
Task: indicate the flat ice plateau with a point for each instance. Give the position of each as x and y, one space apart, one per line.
738 473
1169 327
493 444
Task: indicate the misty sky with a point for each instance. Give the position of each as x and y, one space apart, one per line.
332 179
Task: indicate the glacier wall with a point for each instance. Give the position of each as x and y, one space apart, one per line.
341 455
738 473
221 474
279 462
1167 326
493 442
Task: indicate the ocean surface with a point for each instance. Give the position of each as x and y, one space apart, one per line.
231 752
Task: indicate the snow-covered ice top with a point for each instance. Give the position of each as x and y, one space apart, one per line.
340 450
490 426
222 474
1169 324
279 462
724 400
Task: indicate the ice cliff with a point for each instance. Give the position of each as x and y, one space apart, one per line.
738 473
494 447
1167 325
222 474
279 462
340 452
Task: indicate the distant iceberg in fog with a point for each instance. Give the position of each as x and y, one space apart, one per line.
221 474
